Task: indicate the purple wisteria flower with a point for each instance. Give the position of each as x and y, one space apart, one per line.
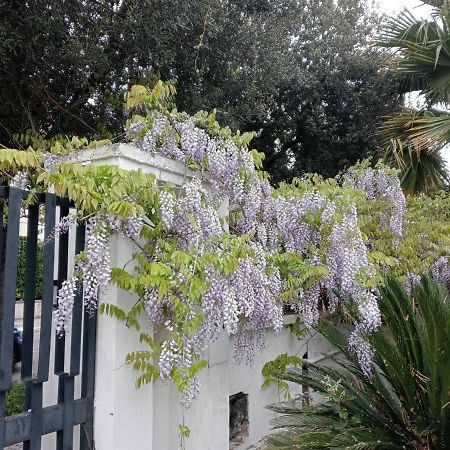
65 301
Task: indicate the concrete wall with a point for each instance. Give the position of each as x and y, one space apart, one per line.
148 418
208 417
123 415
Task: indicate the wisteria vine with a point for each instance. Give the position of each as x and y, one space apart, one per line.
308 245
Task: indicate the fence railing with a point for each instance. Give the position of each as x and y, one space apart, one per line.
72 359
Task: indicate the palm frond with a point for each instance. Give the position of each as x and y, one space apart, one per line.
423 50
436 342
435 3
425 172
406 404
405 28
412 141
423 129
423 63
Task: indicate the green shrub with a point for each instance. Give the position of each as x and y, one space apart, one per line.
22 260
404 405
15 399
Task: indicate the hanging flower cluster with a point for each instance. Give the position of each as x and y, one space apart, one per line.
278 223
379 184
93 270
239 297
200 273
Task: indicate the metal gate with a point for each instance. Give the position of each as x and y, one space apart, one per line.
72 359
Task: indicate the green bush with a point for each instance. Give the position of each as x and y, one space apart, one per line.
22 260
406 402
15 399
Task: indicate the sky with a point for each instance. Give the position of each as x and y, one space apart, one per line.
393 6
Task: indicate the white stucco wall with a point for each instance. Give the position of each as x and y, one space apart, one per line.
148 418
208 417
123 415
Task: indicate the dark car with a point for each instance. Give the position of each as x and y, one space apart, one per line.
17 347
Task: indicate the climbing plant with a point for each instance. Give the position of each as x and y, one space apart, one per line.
198 271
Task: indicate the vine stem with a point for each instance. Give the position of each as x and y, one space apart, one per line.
183 355
202 36
183 439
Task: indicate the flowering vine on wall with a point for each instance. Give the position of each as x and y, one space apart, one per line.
309 245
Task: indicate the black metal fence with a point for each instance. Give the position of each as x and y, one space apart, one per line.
72 359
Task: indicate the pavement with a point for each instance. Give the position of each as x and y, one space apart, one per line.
15 447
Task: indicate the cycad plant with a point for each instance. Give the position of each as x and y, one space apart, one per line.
423 63
404 405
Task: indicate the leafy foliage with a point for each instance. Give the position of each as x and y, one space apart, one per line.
325 117
295 70
279 365
405 404
93 186
21 267
15 399
196 272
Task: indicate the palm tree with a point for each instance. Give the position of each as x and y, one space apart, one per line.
404 405
413 138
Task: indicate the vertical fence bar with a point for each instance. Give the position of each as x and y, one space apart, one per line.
88 381
8 293
29 305
29 293
28 393
36 416
8 277
77 315
63 254
47 290
2 269
2 418
46 324
66 437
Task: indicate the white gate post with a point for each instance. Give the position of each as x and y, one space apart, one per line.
123 415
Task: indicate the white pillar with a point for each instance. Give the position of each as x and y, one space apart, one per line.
123 415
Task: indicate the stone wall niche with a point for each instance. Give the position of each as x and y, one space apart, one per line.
238 420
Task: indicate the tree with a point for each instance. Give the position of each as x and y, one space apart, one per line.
405 404
296 70
67 64
414 137
325 117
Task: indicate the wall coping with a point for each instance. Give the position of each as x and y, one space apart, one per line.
129 152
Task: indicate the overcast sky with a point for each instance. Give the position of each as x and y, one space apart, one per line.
393 6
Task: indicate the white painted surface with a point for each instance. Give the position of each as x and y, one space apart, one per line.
208 417
129 157
123 416
148 418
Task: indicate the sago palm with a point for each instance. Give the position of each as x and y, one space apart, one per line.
423 63
404 405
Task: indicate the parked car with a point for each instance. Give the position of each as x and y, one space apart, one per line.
17 347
